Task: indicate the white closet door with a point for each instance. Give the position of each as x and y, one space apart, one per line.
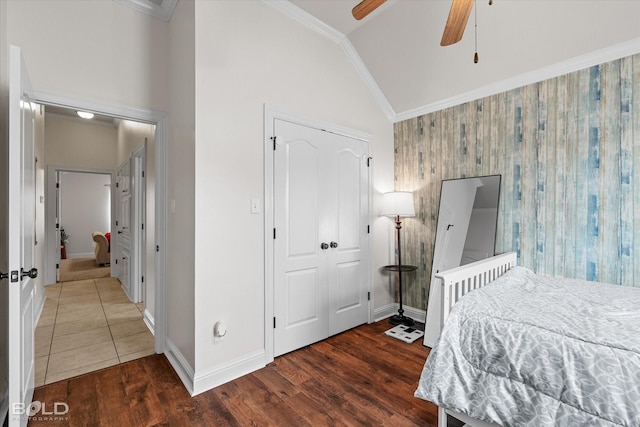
300 292
320 216
348 253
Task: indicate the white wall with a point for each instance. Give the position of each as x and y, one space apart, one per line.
180 184
93 50
80 143
85 207
40 247
248 54
131 136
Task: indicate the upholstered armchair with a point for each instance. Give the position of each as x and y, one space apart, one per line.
103 257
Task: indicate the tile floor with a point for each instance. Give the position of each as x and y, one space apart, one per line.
88 325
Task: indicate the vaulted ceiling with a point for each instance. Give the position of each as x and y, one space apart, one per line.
397 48
517 42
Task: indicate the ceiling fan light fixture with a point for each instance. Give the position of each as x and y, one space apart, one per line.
85 114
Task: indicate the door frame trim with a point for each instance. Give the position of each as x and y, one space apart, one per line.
159 119
50 205
271 113
139 239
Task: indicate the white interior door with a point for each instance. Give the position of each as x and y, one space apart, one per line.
123 228
300 270
138 232
21 234
321 242
58 245
348 197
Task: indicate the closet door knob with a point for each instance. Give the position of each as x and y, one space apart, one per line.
324 246
334 245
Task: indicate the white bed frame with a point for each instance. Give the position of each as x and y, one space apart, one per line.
458 282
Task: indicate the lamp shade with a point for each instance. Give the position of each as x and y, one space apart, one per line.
397 203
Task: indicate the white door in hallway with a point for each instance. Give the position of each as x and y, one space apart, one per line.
123 227
21 234
321 210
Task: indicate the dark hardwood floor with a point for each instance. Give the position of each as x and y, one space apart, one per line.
358 378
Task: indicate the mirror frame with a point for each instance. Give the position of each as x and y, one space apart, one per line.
433 309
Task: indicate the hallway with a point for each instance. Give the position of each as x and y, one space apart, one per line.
88 325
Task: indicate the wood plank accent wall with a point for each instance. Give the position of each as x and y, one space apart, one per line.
568 149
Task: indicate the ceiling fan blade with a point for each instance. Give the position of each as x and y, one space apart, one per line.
365 7
457 21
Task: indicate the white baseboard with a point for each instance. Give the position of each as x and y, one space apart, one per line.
382 312
389 310
180 365
417 314
235 369
148 320
201 382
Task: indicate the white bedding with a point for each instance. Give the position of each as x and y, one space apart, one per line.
536 351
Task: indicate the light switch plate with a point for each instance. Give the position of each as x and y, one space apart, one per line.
255 205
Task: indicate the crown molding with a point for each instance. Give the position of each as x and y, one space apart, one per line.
597 57
294 12
368 79
305 18
162 11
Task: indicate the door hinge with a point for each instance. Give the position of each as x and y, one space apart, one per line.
274 233
273 138
57 265
368 296
57 185
116 223
142 279
368 229
369 161
57 226
143 174
274 322
116 260
15 274
117 185
157 248
143 226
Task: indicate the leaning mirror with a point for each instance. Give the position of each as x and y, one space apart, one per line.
466 232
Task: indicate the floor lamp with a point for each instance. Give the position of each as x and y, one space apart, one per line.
399 204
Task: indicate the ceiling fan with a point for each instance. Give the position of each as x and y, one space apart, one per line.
454 28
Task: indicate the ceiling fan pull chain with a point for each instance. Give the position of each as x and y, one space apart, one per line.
475 14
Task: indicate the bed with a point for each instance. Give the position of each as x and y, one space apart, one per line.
520 349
